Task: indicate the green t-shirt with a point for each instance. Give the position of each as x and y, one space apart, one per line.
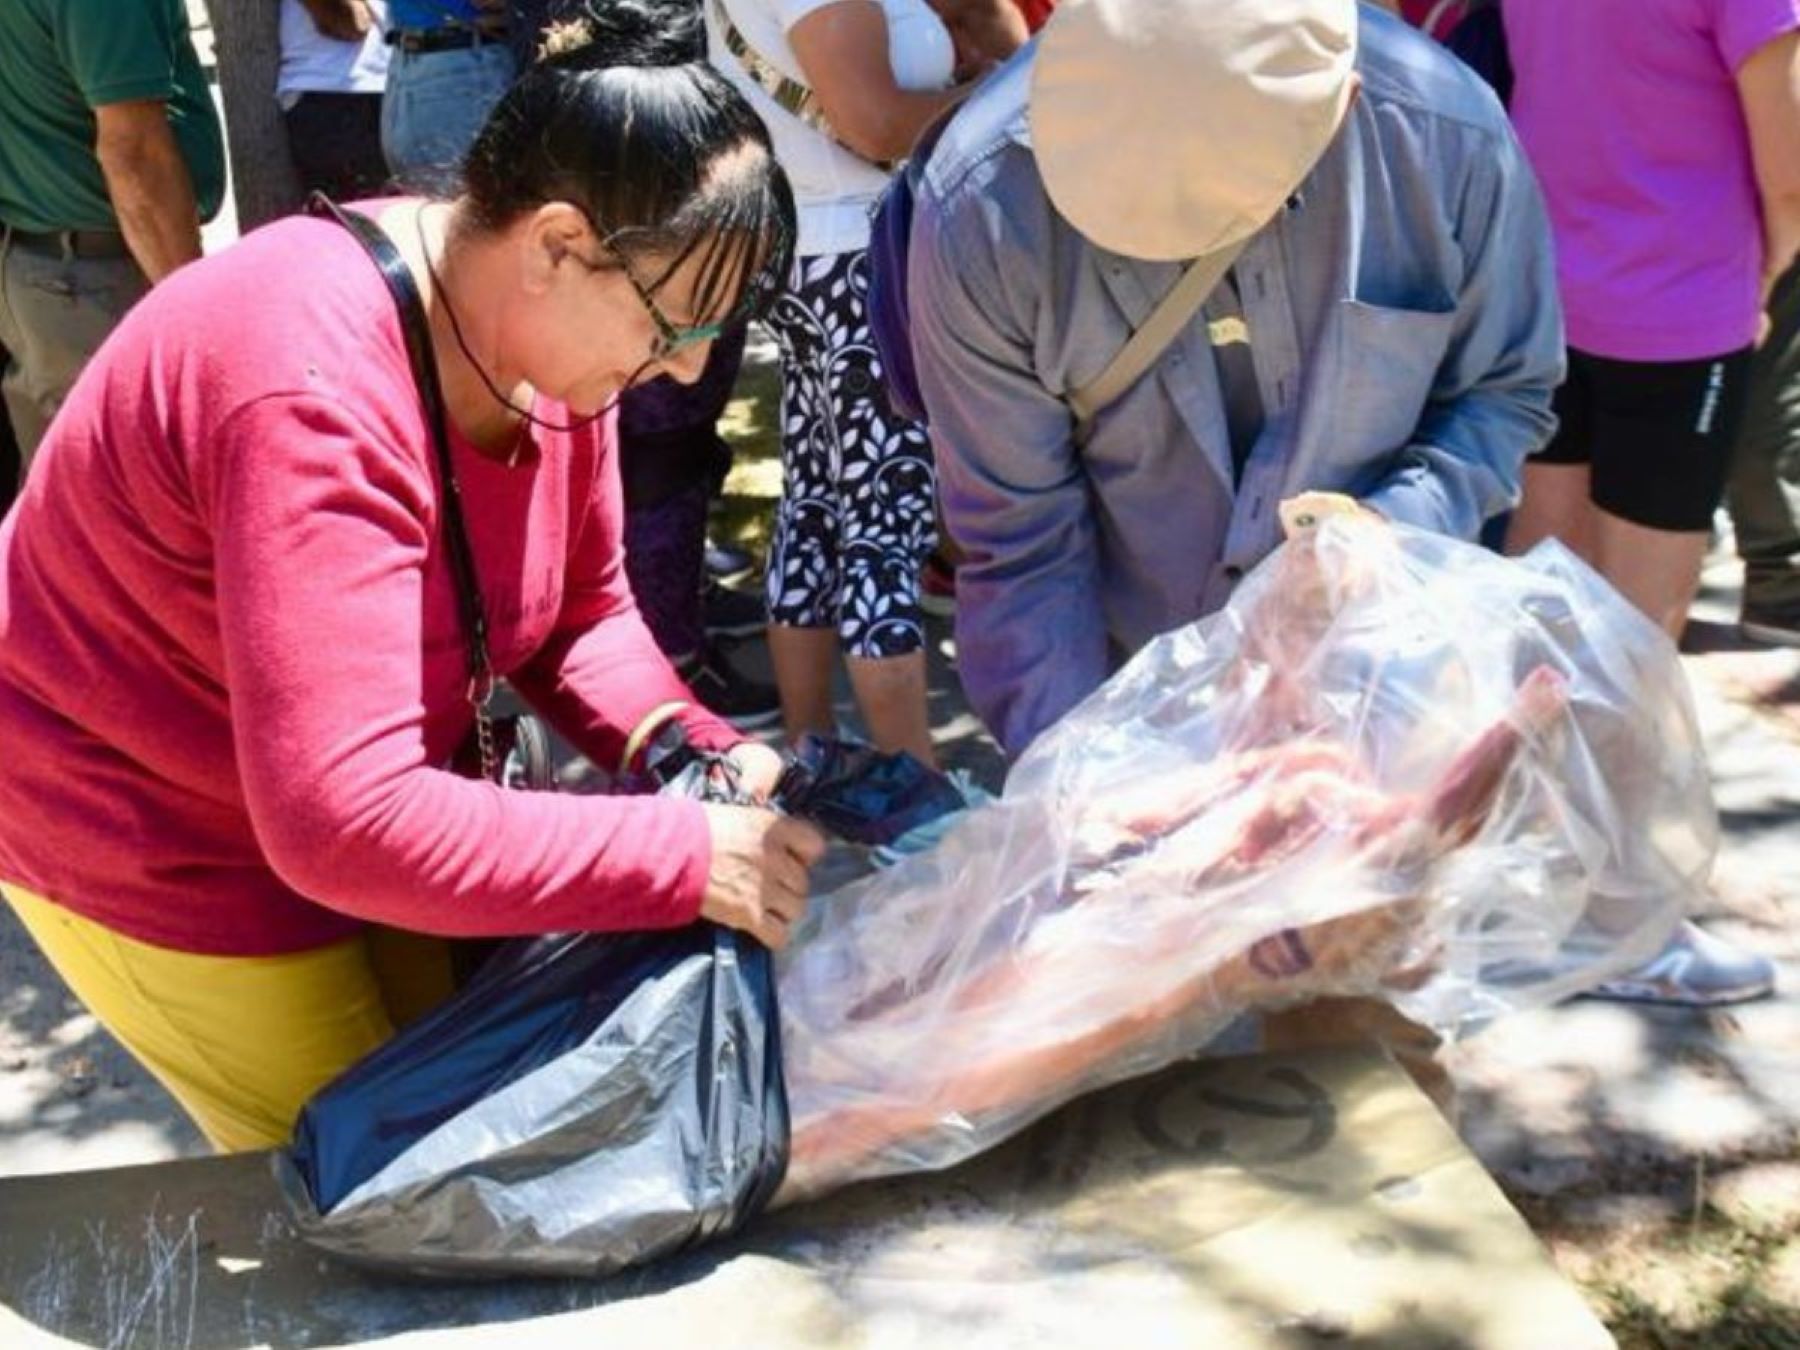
61 59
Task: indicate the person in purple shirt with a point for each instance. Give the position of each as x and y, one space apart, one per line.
1388 328
1666 136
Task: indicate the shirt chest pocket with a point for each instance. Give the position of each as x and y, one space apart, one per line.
1387 362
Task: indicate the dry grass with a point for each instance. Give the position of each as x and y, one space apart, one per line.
743 514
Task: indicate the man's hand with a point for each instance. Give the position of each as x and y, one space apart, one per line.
341 20
148 182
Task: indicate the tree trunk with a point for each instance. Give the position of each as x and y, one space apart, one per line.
247 46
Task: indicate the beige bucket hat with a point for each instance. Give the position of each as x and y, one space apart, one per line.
1168 129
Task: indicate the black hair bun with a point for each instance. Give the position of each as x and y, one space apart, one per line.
600 34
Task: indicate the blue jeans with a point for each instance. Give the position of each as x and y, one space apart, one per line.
435 104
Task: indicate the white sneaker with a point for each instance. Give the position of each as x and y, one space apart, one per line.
1695 969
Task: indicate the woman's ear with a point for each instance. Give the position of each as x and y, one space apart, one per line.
553 235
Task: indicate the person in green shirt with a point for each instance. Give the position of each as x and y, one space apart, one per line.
110 159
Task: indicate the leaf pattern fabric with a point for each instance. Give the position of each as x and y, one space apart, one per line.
857 513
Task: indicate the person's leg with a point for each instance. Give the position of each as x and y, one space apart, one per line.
887 495
891 691
1556 501
803 660
802 580
665 551
1662 444
1657 570
54 314
435 105
336 144
415 972
1663 437
1764 491
240 1042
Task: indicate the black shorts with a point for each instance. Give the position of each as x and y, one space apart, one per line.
1658 434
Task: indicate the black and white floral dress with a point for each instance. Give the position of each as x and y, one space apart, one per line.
857 514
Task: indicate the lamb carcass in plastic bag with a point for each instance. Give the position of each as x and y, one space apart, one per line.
1393 765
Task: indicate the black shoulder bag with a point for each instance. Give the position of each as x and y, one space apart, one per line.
512 751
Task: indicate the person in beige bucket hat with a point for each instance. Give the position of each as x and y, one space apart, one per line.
1181 260
1261 86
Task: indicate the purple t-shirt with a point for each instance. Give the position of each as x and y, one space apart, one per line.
1629 111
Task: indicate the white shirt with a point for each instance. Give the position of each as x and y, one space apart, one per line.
314 63
834 188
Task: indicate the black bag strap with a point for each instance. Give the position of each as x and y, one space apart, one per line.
417 331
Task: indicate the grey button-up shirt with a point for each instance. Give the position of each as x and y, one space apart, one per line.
1406 336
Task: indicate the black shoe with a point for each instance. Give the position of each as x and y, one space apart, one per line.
730 613
1771 626
744 702
727 562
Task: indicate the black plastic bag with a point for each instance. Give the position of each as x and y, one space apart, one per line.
857 793
587 1102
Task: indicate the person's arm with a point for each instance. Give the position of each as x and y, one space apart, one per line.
1031 639
148 182
321 531
1490 402
601 675
1769 86
842 49
986 32
341 20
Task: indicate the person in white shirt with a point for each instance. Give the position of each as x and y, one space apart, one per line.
333 70
844 86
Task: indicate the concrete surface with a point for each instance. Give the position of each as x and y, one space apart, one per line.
1255 1204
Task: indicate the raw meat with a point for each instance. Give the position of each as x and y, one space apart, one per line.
1281 802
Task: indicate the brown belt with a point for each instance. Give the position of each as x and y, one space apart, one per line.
71 243
453 37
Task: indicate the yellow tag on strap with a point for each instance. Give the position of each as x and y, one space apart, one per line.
1224 332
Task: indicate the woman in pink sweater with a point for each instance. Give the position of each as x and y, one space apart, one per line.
232 666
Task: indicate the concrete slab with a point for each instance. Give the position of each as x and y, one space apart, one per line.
1257 1202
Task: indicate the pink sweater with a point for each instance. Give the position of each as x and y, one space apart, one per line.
231 660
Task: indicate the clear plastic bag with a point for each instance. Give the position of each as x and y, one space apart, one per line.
1395 765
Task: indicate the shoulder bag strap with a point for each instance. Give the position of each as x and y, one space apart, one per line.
790 95
1152 338
417 331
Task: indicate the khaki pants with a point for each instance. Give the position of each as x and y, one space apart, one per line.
54 314
1764 493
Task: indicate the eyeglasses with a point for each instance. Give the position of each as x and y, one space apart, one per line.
669 338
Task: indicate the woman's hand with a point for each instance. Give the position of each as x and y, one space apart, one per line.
759 879
758 768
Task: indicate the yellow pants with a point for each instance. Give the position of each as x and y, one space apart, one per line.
241 1041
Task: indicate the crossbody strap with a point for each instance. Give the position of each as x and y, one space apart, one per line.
790 95
1152 337
416 329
